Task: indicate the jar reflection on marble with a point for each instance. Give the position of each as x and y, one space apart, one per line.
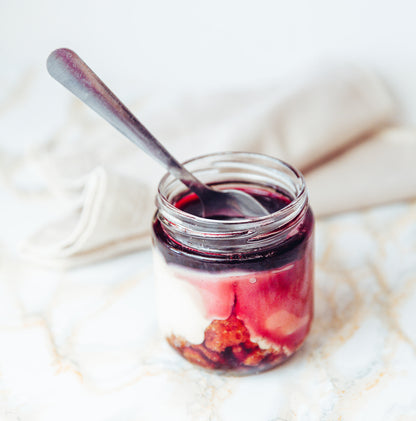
235 295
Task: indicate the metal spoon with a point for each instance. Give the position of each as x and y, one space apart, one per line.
68 69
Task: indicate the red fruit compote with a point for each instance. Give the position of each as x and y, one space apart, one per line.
235 295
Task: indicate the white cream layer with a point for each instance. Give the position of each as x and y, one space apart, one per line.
180 306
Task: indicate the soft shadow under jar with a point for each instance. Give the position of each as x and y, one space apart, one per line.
235 295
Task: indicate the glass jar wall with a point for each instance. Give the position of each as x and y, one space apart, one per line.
235 295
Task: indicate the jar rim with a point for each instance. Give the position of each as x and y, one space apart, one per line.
277 219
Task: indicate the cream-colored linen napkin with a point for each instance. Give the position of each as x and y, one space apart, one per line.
380 170
95 227
109 184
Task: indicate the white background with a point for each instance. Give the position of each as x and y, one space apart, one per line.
210 45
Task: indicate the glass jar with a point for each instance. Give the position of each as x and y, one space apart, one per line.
235 295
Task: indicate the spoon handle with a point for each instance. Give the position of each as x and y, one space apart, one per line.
67 68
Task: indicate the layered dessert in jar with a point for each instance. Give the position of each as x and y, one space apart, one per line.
235 295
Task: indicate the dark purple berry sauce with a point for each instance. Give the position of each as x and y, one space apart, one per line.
285 252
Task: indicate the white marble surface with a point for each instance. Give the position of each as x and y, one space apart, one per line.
84 344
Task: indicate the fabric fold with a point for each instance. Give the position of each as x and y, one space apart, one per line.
380 170
97 227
